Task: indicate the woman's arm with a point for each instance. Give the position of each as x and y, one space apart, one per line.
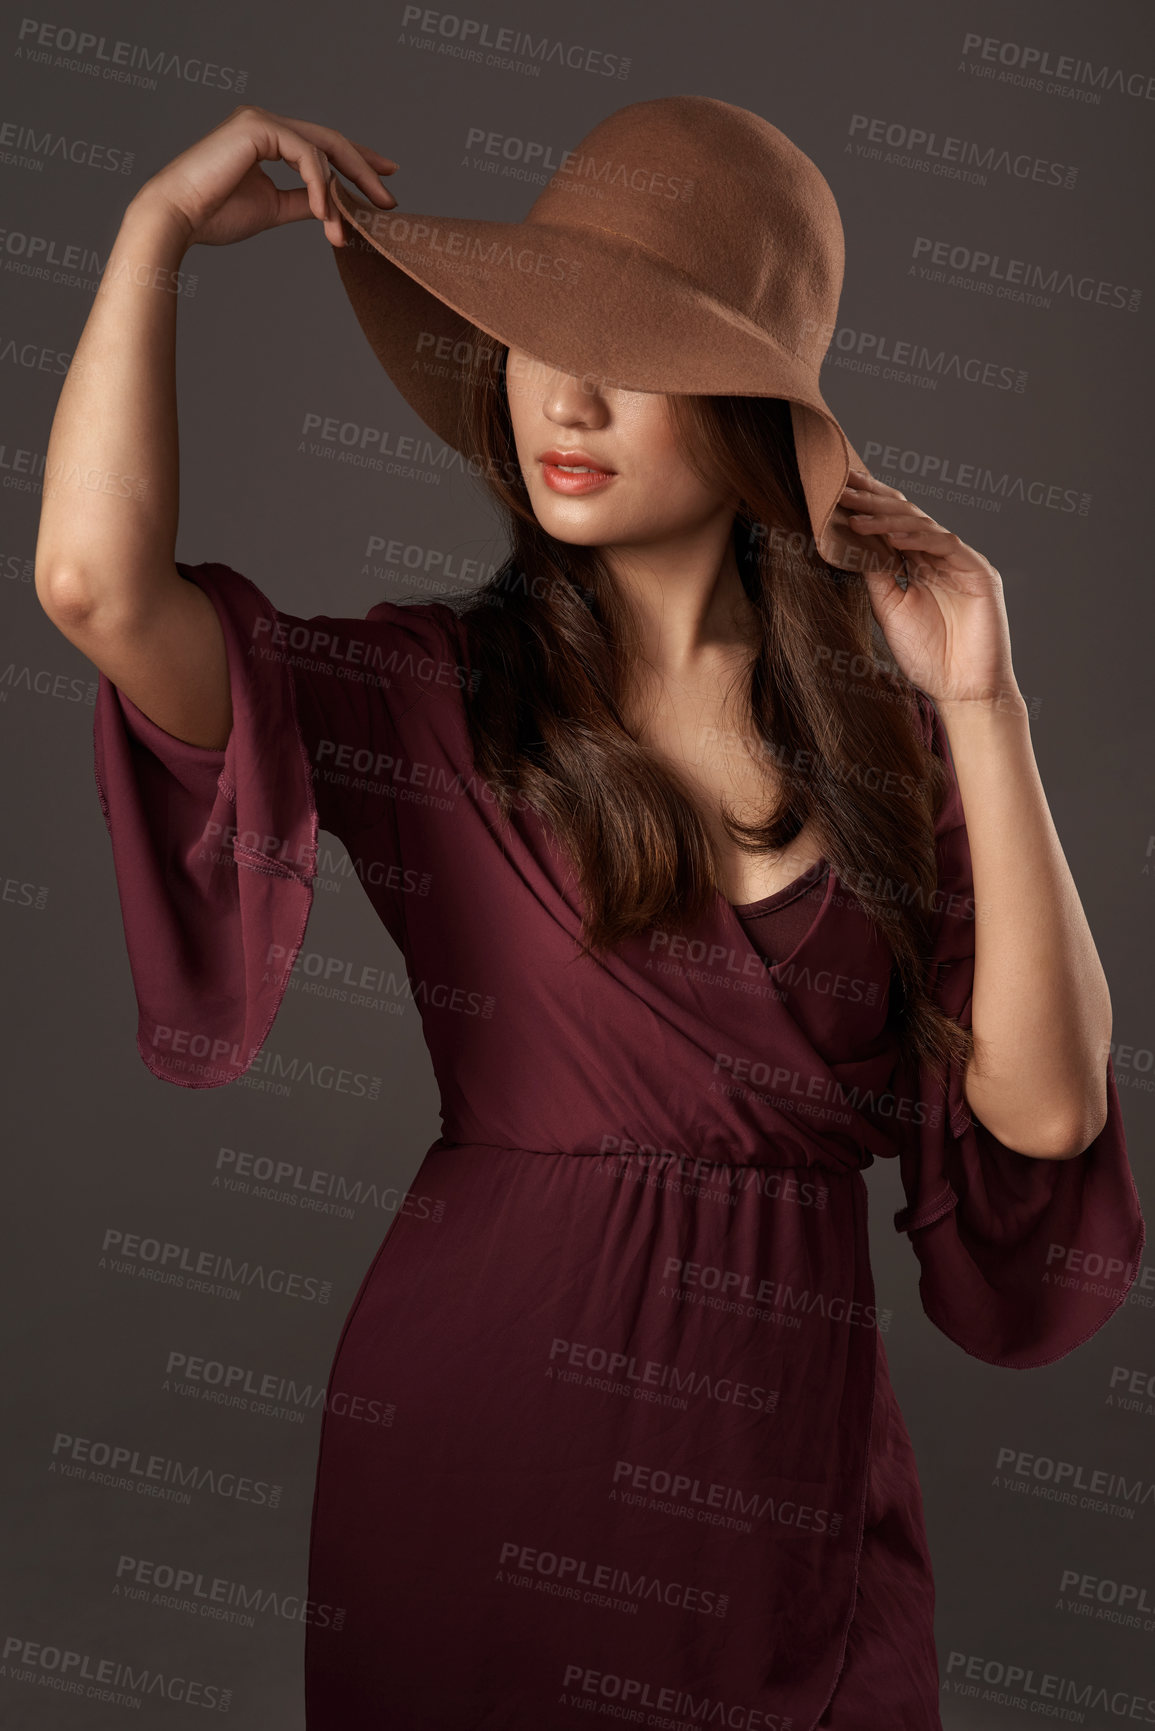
1040 1007
105 571
105 567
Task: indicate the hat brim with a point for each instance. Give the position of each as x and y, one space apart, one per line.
587 301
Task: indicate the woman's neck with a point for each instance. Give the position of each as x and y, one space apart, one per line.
687 598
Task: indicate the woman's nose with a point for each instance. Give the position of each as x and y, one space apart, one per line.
569 398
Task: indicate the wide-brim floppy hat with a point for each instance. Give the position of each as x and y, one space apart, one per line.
685 245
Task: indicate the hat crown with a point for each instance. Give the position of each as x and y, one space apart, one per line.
721 195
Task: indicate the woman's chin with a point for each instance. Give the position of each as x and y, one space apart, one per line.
579 522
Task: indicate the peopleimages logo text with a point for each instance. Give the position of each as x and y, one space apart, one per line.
466 37
1033 65
1007 276
122 61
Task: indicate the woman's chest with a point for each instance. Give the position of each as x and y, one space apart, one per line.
720 764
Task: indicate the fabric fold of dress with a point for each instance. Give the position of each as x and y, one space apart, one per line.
644 1451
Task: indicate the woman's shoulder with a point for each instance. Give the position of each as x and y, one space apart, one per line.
422 644
432 621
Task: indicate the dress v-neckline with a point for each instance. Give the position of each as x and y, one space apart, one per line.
765 904
740 912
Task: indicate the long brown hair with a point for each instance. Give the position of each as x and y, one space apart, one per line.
552 641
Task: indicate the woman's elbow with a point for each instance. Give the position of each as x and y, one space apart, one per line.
1064 1137
1063 1134
1070 1139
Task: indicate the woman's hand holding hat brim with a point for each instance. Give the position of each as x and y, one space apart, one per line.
947 628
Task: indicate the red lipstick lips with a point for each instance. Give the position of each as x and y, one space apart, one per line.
573 471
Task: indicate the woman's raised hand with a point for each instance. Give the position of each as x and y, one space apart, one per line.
948 629
218 192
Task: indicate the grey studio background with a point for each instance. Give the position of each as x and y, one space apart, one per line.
1018 419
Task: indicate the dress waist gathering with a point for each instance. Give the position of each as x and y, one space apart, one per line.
625 1150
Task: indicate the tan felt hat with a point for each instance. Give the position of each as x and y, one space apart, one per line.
685 245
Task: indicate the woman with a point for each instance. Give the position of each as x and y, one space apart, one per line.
705 907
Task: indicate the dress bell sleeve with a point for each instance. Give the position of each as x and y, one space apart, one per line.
215 851
1021 1259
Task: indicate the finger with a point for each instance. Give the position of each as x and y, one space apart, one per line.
930 537
883 520
888 498
312 165
293 204
864 483
931 551
383 164
350 159
353 165
309 163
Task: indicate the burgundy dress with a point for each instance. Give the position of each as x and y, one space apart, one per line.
646 1462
